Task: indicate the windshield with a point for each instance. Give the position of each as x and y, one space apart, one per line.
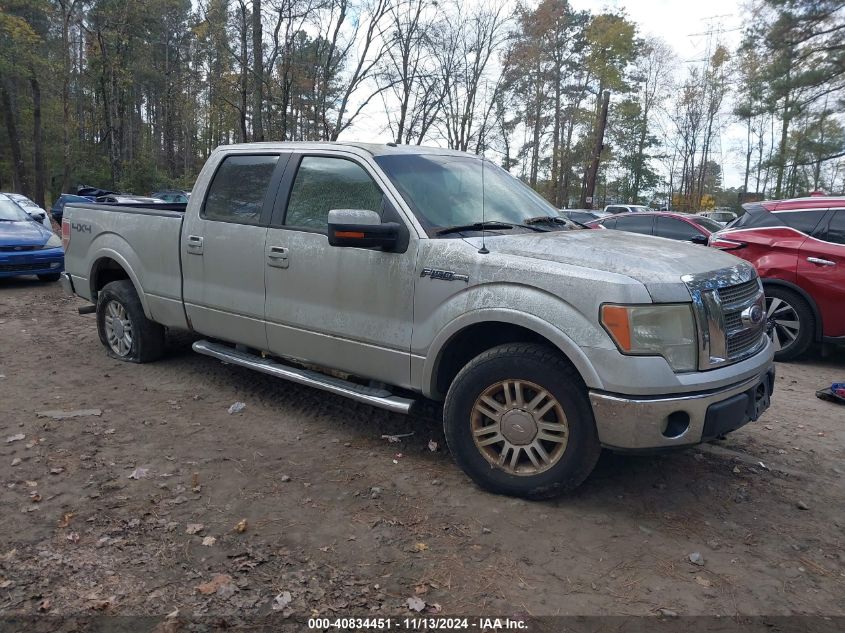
11 212
707 223
445 191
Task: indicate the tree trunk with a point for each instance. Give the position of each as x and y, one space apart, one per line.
592 173
257 73
784 137
19 177
37 141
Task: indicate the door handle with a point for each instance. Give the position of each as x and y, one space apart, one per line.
195 245
820 262
277 256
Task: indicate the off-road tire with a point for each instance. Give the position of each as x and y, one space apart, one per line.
546 368
806 321
147 336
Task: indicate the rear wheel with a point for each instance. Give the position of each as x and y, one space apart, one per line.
49 277
124 330
790 322
518 421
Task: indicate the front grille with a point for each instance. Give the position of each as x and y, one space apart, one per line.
719 300
733 321
744 341
740 292
18 249
11 268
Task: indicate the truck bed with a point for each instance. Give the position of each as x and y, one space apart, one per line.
142 240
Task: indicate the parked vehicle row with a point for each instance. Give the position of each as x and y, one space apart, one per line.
676 226
27 247
31 208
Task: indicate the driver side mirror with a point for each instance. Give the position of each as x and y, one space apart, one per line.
699 239
362 228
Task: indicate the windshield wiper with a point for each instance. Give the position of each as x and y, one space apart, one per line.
490 225
474 226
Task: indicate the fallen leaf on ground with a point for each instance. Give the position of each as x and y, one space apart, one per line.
432 446
66 518
240 528
139 473
237 407
208 541
415 604
420 547
215 584
194 528
15 438
282 600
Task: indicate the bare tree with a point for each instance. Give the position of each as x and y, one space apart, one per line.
466 44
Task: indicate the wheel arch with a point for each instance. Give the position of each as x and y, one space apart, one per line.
817 317
476 332
110 266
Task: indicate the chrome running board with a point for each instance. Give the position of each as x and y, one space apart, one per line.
376 397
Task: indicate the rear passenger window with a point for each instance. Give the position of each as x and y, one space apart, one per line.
323 184
836 228
635 223
236 193
804 221
675 229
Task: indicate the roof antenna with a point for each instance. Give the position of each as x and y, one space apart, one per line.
483 250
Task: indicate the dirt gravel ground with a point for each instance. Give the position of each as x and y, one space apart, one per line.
136 510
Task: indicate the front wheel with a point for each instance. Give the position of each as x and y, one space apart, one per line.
518 421
790 322
124 329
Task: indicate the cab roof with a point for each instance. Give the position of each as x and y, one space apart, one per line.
809 202
374 149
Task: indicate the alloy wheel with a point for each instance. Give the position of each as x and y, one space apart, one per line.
118 328
519 427
783 323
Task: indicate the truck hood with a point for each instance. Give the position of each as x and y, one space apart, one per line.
23 234
655 262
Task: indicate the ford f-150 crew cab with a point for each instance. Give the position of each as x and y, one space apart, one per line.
393 274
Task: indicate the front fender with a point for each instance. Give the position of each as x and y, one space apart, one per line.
543 313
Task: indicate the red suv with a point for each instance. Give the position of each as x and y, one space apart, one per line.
798 248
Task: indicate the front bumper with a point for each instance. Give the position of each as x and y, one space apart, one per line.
40 262
647 423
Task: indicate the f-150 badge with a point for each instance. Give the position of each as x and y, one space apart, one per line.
445 275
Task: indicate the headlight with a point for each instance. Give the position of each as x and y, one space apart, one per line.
54 242
666 330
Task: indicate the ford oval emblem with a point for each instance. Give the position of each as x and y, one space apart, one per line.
752 315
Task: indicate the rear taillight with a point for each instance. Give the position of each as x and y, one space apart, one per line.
725 244
65 233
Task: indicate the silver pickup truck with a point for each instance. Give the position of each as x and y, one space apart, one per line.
392 275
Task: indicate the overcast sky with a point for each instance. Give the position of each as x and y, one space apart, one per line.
688 27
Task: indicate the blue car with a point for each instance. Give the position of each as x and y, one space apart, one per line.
58 209
26 246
